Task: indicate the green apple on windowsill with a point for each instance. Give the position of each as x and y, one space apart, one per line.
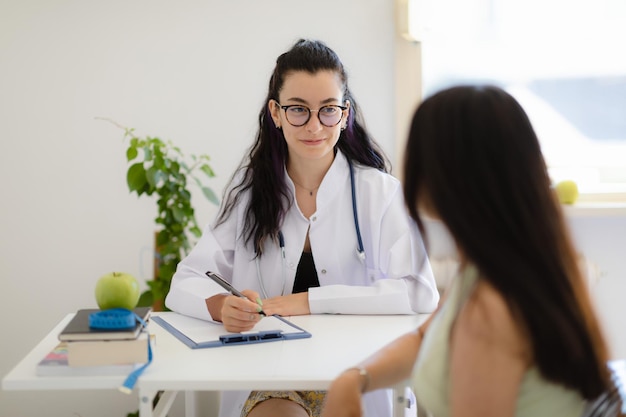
567 191
117 290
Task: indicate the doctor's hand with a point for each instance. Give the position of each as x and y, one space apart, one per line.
287 305
238 314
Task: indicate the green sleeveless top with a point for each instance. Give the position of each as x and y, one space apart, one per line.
431 376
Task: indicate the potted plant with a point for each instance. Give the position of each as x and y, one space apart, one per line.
159 167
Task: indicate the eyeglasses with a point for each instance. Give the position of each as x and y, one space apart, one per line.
299 115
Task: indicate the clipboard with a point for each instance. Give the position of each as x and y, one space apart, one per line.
200 334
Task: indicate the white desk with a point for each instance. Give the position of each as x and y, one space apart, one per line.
338 342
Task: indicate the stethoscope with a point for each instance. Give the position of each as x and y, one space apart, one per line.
360 251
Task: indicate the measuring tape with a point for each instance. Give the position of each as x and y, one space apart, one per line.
122 319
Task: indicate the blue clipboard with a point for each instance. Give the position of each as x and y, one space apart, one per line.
199 334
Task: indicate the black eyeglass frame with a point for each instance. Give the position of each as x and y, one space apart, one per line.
287 107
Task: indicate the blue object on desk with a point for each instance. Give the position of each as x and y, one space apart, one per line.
113 319
130 381
119 319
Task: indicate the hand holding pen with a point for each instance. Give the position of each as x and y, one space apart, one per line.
238 316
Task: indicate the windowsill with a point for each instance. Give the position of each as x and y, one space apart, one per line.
595 208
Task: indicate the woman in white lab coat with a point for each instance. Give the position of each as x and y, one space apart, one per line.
312 223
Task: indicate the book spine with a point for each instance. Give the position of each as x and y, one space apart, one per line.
107 352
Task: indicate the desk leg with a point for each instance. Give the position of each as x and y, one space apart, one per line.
162 406
191 404
399 404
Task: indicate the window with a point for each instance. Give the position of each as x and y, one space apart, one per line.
563 60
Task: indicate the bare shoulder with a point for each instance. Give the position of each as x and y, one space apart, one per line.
487 319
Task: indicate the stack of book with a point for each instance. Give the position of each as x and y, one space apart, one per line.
83 350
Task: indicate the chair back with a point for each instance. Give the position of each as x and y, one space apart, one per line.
611 403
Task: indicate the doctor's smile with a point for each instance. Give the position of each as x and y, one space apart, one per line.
313 142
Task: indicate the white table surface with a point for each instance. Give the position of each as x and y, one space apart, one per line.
337 342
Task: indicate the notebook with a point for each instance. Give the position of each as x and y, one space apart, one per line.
78 327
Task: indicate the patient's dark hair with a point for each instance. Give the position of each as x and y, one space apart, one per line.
263 170
473 157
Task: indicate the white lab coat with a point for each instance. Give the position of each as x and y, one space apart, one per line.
394 278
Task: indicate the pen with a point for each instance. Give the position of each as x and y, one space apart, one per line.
228 287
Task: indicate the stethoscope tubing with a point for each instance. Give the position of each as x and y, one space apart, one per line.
360 249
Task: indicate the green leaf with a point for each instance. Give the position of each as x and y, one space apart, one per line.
179 215
158 152
185 195
136 178
146 189
166 271
159 163
147 153
162 238
152 176
131 153
204 157
207 170
210 195
187 211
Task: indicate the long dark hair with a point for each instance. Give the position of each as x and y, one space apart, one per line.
473 156
263 170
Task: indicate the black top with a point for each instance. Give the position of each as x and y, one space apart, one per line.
306 275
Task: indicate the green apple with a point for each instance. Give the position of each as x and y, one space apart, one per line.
567 191
117 290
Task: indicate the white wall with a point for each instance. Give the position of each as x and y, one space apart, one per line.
602 239
189 70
